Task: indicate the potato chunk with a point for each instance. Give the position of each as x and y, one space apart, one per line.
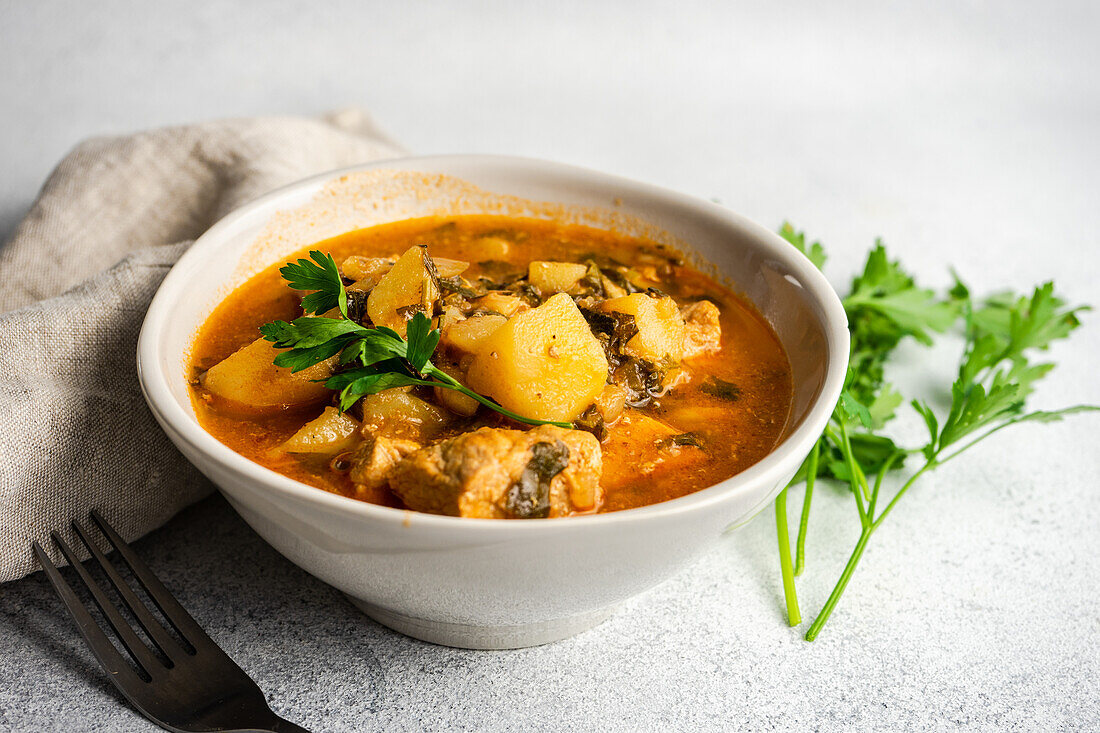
454 400
660 334
398 413
504 474
365 271
554 277
410 285
467 335
328 434
544 363
249 378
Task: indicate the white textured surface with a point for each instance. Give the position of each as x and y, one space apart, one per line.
963 133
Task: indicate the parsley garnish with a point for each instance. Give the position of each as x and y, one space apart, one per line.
996 374
323 278
373 359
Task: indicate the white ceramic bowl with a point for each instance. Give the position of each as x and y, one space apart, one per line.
480 583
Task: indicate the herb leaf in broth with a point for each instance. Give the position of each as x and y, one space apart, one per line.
529 497
455 284
720 388
688 439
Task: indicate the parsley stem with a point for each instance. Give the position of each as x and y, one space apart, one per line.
794 617
886 466
838 591
861 477
931 463
811 477
446 380
853 479
861 545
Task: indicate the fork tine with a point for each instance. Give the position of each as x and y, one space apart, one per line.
144 657
167 645
185 626
117 668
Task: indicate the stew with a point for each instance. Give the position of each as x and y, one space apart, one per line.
671 382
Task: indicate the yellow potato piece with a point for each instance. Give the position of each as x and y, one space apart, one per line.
456 402
554 277
365 271
248 377
467 335
544 363
660 326
453 400
409 283
330 433
396 413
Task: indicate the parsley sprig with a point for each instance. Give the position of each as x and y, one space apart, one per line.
996 374
371 359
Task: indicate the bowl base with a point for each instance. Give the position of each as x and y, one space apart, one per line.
465 636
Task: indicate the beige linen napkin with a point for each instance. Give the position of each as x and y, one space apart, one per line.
78 275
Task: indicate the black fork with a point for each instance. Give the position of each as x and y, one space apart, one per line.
195 686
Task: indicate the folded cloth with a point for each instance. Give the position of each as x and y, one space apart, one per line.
78 276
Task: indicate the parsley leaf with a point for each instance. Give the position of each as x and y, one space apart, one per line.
973 407
356 383
1035 323
884 288
814 252
312 339
854 409
884 406
308 331
320 276
422 340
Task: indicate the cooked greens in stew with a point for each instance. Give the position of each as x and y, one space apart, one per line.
494 367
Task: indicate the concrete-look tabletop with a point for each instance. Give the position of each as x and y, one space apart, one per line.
964 134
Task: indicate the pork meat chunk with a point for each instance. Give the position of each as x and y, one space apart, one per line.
374 459
504 474
702 329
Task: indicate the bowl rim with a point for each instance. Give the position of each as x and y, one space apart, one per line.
181 425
